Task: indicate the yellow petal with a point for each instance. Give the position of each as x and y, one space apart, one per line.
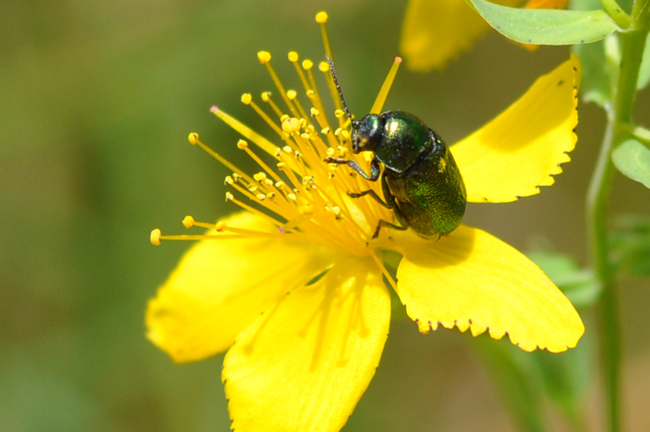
473 280
304 365
524 147
436 31
221 286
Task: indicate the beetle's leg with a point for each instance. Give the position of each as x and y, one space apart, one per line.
374 167
372 193
391 204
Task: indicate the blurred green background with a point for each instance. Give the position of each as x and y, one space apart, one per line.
97 101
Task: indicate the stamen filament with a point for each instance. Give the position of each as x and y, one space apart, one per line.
383 270
321 18
194 140
255 211
268 120
266 97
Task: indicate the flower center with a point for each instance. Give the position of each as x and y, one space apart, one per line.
299 193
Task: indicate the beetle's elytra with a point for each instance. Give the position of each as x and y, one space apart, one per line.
420 180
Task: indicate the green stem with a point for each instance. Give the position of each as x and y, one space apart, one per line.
618 15
620 116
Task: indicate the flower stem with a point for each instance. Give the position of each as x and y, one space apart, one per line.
619 117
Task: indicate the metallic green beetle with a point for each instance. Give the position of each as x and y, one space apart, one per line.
420 182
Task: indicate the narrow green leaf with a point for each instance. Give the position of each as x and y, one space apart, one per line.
546 26
633 160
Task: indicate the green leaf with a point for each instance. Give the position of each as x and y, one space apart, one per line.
578 284
567 377
518 380
595 80
630 244
644 72
633 160
546 26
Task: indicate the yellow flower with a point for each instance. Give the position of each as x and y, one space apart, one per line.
293 287
436 31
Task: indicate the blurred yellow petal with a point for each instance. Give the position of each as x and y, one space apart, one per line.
546 4
221 286
436 31
304 365
471 279
523 148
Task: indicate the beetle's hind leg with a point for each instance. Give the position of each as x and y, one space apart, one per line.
391 204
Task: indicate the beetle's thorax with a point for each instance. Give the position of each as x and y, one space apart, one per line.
405 140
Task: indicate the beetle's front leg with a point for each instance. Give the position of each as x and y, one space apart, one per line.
375 171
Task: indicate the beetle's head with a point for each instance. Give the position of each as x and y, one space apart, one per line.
366 133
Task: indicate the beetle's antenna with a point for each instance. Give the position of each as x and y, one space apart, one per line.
338 87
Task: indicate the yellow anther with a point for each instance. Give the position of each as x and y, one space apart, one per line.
270 195
345 134
303 122
307 180
278 152
228 181
291 197
236 177
323 66
307 64
281 166
291 94
241 144
325 131
305 136
287 149
337 131
259 177
252 188
284 118
260 196
310 93
330 151
264 57
314 112
266 96
188 221
193 138
279 184
291 125
221 225
229 197
339 113
154 237
321 17
307 209
293 56
268 182
246 98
